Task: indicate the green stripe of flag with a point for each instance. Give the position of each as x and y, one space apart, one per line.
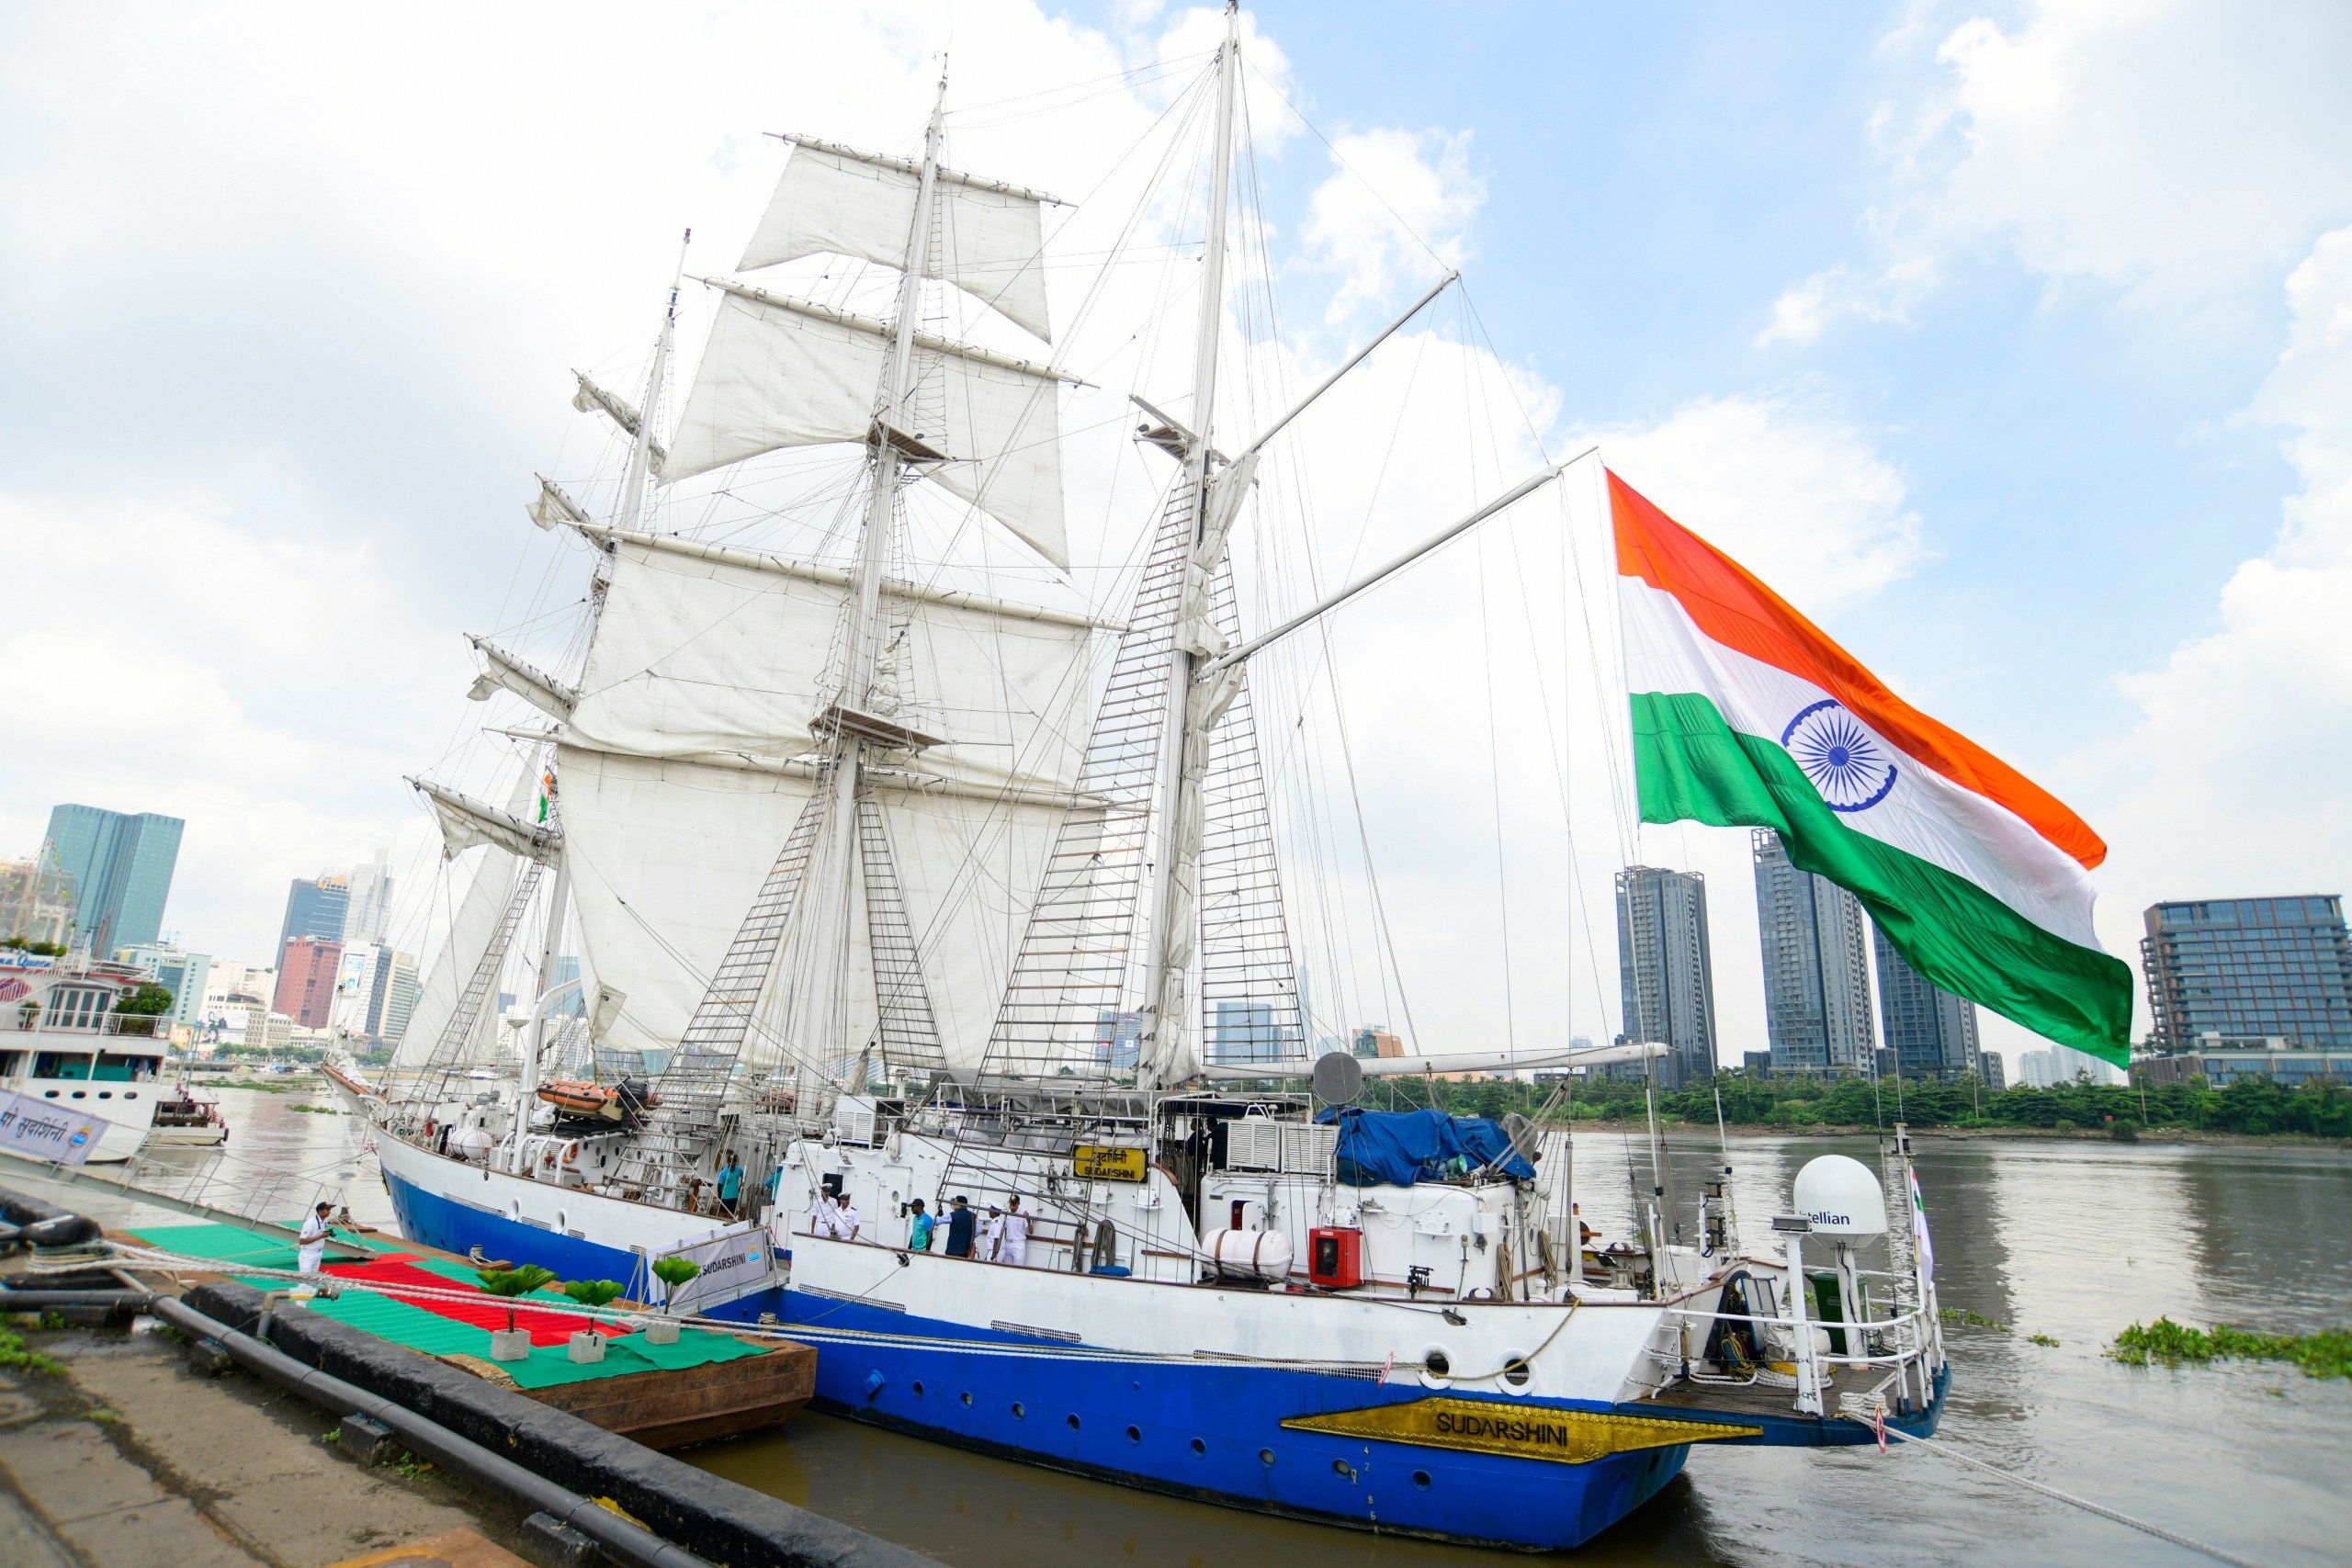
1693 766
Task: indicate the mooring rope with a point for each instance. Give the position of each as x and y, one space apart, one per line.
2101 1509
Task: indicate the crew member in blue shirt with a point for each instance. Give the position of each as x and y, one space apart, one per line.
960 1221
919 1229
731 1186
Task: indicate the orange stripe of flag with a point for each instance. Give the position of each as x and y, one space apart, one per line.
1731 606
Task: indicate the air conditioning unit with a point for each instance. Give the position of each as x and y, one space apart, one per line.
1253 1143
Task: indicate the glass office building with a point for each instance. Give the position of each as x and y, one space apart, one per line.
2249 969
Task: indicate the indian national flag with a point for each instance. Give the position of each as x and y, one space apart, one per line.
1747 714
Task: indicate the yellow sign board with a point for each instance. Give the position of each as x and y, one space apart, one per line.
1101 1162
1565 1436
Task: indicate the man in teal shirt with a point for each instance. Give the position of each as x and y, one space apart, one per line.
919 1231
731 1186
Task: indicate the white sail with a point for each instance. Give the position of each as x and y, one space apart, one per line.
693 748
780 372
990 237
472 930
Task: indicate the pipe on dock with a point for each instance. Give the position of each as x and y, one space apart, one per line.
623 1539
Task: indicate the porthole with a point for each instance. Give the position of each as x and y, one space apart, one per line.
1199 1447
1266 1458
1437 1362
967 1396
1516 1372
52 1093
1421 1479
562 1221
1343 1469
81 1094
918 1388
1019 1413
130 1094
106 1094
1134 1434
1072 1419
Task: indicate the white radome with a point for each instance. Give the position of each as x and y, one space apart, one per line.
1841 1197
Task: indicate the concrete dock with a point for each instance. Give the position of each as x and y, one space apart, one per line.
125 1459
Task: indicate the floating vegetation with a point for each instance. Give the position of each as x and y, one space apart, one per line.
315 1110
1970 1319
2327 1354
2043 1339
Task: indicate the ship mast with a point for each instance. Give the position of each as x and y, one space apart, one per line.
845 761
1187 717
631 516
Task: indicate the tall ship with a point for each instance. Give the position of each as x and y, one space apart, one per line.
900 870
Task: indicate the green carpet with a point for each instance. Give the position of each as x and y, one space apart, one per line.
421 1328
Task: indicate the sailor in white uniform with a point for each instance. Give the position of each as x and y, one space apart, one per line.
314 1235
1012 1236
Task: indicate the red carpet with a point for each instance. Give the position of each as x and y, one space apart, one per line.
545 1327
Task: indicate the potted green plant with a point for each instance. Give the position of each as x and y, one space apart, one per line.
588 1344
513 1344
673 1272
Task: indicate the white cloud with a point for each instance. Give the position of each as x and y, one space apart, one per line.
2181 151
1395 210
2250 725
1796 494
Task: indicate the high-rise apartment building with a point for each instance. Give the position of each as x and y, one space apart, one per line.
187 976
1929 1032
1244 1032
2061 1065
307 974
399 999
316 908
370 915
1665 971
121 870
2249 969
1817 965
1374 1041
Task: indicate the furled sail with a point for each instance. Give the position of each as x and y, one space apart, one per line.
505 672
990 238
695 745
467 823
472 928
592 398
781 372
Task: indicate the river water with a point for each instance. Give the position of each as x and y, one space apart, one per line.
2072 1240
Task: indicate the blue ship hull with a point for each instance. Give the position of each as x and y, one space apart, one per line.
1195 1429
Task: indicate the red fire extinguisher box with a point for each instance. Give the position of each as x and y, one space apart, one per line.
1335 1256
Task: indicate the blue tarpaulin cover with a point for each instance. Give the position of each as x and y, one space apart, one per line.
1398 1148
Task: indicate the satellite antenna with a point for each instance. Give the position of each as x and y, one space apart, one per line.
1338 1078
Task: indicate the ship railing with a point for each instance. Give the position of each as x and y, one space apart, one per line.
1911 1356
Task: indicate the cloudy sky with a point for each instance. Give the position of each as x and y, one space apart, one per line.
2013 342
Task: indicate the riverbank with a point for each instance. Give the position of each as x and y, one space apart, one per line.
115 1454
2167 1136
